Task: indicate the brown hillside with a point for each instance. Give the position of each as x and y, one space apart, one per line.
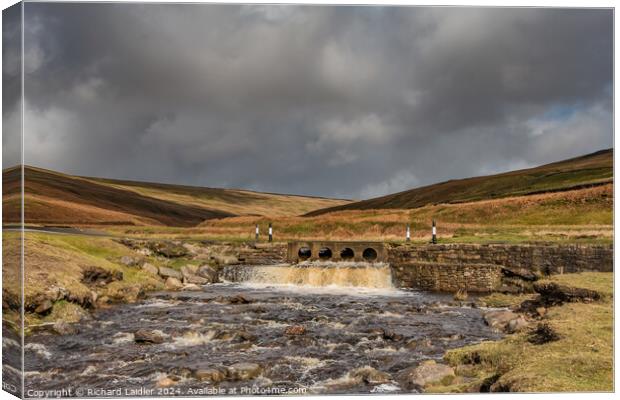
57 198
589 170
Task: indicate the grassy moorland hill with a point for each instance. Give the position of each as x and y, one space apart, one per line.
585 171
56 198
579 215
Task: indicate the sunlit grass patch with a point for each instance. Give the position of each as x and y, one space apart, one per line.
581 360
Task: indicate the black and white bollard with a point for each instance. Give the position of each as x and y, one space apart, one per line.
257 232
270 233
434 240
408 233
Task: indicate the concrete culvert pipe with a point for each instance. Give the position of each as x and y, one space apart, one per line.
304 253
369 254
347 253
325 253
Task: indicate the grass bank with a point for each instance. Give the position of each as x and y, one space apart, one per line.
55 264
580 361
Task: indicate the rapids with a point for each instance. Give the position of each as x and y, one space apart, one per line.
353 319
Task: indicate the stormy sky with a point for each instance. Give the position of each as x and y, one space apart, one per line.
351 102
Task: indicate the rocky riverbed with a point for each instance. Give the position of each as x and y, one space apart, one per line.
239 338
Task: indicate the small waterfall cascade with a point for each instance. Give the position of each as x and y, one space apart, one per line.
315 274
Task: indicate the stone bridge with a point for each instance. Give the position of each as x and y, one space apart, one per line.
336 251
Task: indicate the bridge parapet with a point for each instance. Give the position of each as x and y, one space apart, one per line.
336 251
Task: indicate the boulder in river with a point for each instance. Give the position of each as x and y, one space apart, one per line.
166 272
195 279
63 328
239 299
211 375
391 335
190 287
148 337
244 371
173 284
417 344
426 373
208 272
370 376
244 336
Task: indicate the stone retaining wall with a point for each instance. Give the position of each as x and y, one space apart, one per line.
263 253
444 277
475 267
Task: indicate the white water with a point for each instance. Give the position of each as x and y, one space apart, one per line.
352 278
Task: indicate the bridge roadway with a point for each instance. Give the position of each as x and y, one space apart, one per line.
336 251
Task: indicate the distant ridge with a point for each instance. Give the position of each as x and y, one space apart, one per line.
575 173
63 199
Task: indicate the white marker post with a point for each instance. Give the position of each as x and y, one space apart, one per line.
270 232
257 231
434 233
408 233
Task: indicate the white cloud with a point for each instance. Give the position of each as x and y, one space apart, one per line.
400 181
49 134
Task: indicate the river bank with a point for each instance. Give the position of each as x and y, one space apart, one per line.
567 348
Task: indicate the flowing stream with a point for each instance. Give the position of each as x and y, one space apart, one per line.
354 320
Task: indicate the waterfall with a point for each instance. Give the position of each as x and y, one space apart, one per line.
315 274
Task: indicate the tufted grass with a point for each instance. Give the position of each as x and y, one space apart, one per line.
581 361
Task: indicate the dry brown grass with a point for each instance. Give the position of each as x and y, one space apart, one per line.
584 214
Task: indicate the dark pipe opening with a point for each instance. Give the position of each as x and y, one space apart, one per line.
347 253
304 253
369 254
325 253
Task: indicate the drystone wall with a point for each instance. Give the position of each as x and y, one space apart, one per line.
444 277
483 268
263 254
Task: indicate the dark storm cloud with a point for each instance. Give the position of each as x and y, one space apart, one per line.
334 101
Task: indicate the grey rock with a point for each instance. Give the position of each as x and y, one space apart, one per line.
516 325
128 261
170 273
505 321
426 373
208 272
190 287
195 279
189 270
63 328
150 268
173 284
147 337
